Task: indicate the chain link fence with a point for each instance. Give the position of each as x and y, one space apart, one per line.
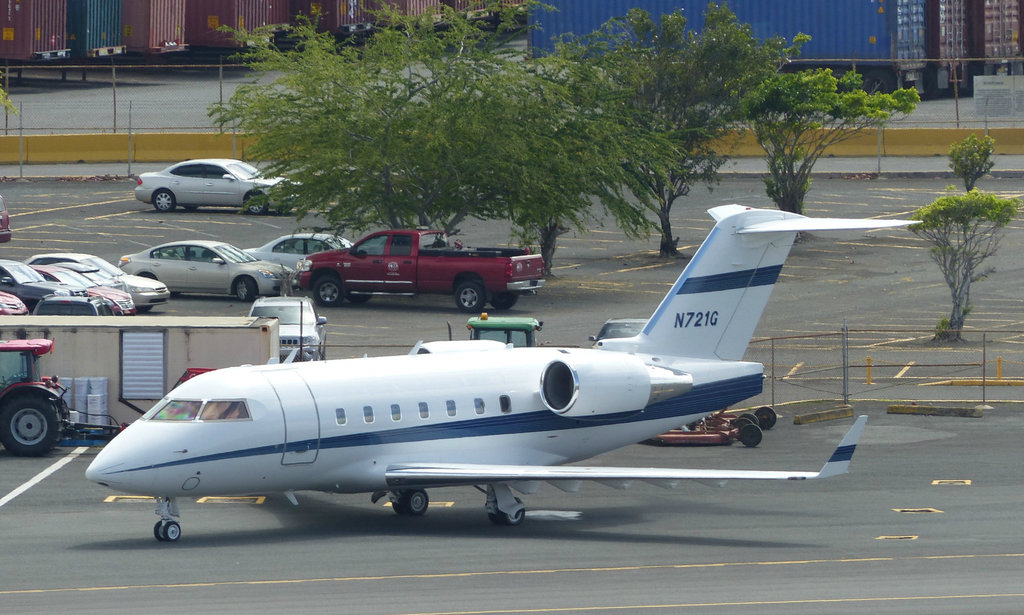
176 98
903 365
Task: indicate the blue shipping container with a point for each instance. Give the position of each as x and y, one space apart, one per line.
94 28
881 30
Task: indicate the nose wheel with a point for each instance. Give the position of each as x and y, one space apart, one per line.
167 529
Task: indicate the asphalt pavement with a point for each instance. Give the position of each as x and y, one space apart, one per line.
1006 166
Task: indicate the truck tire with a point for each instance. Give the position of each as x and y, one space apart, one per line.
29 427
328 291
503 301
470 296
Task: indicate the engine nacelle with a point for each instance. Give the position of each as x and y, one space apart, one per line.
589 385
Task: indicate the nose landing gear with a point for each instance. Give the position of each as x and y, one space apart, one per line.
167 529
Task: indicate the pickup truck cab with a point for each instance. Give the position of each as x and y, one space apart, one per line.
410 262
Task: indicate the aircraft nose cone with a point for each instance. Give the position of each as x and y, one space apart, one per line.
101 470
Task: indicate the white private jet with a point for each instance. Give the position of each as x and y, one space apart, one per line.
499 418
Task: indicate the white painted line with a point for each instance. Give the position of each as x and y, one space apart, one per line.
38 478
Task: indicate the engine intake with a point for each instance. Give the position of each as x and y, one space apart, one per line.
591 385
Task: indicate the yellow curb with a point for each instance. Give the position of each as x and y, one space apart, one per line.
975 412
843 412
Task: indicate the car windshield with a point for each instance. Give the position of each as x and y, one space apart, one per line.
244 170
66 276
103 266
234 255
287 314
335 243
23 274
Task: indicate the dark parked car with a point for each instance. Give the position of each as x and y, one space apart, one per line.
29 285
56 305
5 222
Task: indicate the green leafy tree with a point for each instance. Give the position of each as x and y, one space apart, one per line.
964 230
679 92
795 117
427 126
971 158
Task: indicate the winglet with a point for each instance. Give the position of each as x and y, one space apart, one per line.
839 462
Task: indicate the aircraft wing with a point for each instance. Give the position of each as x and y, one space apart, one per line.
568 478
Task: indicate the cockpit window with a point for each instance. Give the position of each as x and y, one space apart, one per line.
224 411
190 410
174 410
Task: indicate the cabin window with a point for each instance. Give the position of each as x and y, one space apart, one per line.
339 414
506 404
174 410
479 405
424 410
396 412
215 410
368 414
450 405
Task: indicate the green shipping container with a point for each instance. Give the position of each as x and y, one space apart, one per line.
94 28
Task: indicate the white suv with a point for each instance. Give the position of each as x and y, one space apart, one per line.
299 326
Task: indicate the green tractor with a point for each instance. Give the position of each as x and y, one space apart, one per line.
519 331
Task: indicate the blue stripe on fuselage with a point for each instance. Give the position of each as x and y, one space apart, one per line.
700 399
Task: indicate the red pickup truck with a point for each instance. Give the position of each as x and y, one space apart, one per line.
409 262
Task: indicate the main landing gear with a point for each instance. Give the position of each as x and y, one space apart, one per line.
502 507
167 529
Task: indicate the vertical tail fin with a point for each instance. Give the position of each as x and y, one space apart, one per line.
714 306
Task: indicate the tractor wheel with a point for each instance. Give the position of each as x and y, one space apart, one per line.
29 427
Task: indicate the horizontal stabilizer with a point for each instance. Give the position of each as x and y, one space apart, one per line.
801 225
450 474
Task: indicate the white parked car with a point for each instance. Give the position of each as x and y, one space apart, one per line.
206 266
145 292
299 325
288 250
221 182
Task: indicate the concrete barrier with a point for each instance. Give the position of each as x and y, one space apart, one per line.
842 412
973 412
172 147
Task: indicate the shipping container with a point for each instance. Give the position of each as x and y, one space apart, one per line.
153 26
94 28
883 39
995 33
947 44
203 18
356 15
33 30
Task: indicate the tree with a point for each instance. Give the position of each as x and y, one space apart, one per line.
971 158
426 126
964 230
795 117
680 91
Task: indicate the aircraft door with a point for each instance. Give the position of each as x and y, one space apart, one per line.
301 416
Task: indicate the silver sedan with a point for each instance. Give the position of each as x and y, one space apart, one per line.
289 249
220 182
205 266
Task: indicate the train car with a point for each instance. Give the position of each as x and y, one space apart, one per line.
34 30
347 16
203 18
94 28
883 39
153 27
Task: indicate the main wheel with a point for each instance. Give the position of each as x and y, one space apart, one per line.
29 427
245 289
469 296
766 417
328 291
163 200
413 502
503 301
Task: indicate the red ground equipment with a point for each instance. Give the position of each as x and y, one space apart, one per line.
33 415
721 428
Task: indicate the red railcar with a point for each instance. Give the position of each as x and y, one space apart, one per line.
34 30
153 26
203 18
